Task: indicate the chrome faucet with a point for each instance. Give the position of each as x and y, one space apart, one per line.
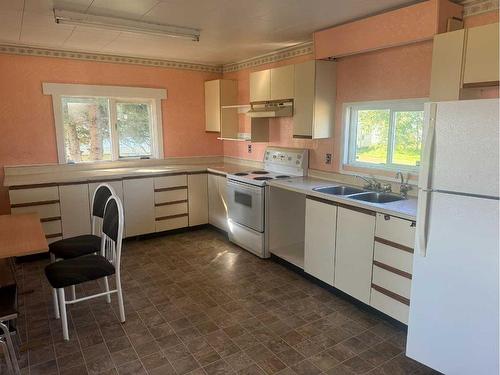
371 183
405 186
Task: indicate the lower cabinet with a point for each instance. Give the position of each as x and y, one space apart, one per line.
75 209
116 185
217 201
198 199
354 252
139 206
319 247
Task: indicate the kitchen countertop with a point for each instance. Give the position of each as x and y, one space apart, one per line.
405 209
91 175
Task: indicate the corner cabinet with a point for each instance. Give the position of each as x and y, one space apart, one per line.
314 104
219 93
319 246
354 252
217 201
198 199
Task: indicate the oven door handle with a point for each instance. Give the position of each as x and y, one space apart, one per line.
245 186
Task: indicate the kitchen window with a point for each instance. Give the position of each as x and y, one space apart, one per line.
105 123
384 135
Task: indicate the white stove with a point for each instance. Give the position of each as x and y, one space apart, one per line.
248 192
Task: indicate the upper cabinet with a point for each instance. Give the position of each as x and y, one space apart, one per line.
272 84
260 86
464 59
314 101
481 56
219 93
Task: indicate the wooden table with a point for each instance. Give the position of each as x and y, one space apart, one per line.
21 235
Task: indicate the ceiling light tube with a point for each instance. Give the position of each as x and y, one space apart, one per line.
126 25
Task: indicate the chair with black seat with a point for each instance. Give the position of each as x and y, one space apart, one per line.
70 272
73 247
8 314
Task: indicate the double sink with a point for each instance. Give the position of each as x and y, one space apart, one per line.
359 194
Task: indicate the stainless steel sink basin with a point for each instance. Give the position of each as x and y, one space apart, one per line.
374 197
338 190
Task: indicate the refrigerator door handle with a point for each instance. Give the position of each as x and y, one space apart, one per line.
427 155
422 216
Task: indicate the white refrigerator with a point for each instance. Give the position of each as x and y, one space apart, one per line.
453 325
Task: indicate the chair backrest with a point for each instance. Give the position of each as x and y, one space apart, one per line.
112 231
99 200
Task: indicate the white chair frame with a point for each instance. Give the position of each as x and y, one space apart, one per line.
111 250
8 349
96 227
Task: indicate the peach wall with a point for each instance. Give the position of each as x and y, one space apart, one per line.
481 19
27 122
394 73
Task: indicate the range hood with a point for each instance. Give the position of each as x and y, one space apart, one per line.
278 108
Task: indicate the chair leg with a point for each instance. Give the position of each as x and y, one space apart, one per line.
6 354
54 293
120 298
62 308
106 286
10 353
73 292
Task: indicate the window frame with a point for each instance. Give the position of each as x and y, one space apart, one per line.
348 158
114 94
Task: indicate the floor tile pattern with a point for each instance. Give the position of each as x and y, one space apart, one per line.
197 304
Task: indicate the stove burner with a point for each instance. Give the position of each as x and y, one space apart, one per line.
263 178
282 176
260 172
241 174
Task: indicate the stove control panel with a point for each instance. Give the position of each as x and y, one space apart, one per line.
288 158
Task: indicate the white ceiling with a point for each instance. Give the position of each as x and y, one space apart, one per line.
231 30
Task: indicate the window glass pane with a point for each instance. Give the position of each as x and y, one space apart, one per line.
372 133
134 130
86 129
408 137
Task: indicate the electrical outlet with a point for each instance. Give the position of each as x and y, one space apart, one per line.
249 148
328 159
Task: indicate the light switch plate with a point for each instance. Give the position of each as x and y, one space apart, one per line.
328 159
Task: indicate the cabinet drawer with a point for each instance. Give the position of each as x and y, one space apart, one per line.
43 210
389 306
391 281
172 223
42 194
396 230
394 257
170 181
171 196
171 209
52 227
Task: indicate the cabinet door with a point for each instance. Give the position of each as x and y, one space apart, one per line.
139 206
212 106
198 199
319 250
260 85
75 209
304 99
447 52
354 252
481 55
282 86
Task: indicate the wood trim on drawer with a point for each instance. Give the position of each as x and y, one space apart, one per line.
298 136
392 295
29 204
322 200
54 235
22 187
392 269
394 244
197 172
170 217
170 189
473 85
46 219
169 203
167 174
357 209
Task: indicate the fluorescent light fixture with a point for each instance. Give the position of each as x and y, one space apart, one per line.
126 25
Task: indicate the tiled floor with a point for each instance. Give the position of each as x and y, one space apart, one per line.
197 304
